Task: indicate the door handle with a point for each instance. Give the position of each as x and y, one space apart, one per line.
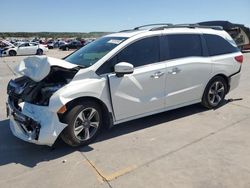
157 74
174 70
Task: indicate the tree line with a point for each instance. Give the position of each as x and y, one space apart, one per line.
52 34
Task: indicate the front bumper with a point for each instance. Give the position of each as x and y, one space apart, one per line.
33 123
4 53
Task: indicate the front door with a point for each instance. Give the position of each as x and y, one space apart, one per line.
26 49
138 93
143 91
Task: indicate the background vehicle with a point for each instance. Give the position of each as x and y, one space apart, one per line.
121 77
71 45
26 48
4 45
51 44
58 44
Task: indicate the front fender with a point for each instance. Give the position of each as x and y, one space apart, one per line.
94 87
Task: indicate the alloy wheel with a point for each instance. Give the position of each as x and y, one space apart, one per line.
86 124
216 93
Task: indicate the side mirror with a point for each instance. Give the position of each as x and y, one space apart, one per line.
123 68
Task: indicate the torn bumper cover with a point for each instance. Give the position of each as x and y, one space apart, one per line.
33 123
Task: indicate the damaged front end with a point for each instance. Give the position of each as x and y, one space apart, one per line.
29 96
39 93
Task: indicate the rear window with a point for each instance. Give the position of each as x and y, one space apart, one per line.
218 45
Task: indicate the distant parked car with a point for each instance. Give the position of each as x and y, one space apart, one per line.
50 45
26 48
71 45
57 44
88 41
4 45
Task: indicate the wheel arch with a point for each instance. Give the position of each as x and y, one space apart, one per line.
107 116
222 76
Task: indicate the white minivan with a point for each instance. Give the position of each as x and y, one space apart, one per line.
121 77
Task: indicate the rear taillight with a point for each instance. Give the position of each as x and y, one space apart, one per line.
239 58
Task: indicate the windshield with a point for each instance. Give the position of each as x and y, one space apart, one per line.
91 53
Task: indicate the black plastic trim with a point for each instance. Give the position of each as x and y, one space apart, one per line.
110 97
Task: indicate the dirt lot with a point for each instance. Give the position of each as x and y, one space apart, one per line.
187 147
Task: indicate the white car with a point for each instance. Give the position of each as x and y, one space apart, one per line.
121 77
26 48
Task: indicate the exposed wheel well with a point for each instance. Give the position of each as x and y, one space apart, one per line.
107 116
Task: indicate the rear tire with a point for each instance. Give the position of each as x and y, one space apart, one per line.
84 124
12 53
214 93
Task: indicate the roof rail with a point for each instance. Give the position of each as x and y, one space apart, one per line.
165 24
137 28
186 26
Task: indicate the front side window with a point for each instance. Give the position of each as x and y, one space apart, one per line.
33 44
91 53
182 45
24 45
142 52
139 53
217 45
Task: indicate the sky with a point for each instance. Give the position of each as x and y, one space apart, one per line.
114 15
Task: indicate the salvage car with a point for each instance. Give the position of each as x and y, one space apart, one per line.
25 48
120 77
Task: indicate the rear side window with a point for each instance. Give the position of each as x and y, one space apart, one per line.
181 45
217 45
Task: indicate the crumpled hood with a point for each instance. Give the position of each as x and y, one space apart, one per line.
38 67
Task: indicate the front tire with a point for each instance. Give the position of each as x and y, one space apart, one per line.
12 53
39 52
84 124
214 93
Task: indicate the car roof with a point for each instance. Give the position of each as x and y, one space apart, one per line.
190 28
